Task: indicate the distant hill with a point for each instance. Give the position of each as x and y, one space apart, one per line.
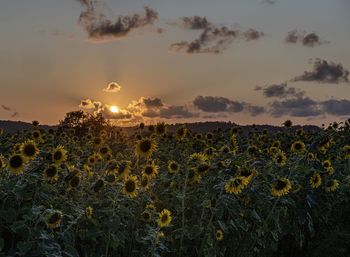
15 126
199 127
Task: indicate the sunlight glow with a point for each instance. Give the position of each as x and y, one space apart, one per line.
114 109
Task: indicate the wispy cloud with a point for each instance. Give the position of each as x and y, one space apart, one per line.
304 38
112 87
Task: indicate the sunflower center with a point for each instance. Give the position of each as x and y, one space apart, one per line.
29 150
55 217
144 182
280 185
130 186
103 150
149 170
16 161
51 171
145 146
173 166
203 168
164 217
110 178
57 155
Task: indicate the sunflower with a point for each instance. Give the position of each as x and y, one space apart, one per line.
28 149
2 162
53 219
210 152
280 158
281 187
151 207
99 184
130 186
164 218
160 129
298 147
234 143
181 133
225 149
59 154
288 123
111 178
198 158
327 164
36 134
299 132
202 168
51 173
247 174
315 180
219 235
146 215
16 164
150 170
144 183
88 212
173 167
346 150
193 177
104 150
235 185
123 169
145 147
311 157
332 185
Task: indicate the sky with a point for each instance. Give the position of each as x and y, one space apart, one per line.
245 61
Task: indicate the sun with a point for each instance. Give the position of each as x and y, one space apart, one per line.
114 109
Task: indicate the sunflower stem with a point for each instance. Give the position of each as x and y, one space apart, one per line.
183 213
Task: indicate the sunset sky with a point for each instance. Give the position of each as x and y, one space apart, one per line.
248 61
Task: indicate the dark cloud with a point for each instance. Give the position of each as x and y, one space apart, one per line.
215 104
213 39
10 109
6 108
297 107
176 111
336 107
195 22
90 104
112 87
304 38
280 90
98 26
325 72
152 102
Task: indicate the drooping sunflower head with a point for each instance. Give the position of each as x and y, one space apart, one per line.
219 235
210 152
2 162
111 178
145 147
130 186
181 133
315 180
288 123
145 182
59 155
16 164
123 168
281 187
298 147
150 170
36 134
99 184
147 216
160 129
202 168
327 164
247 174
29 149
53 219
173 167
346 150
164 218
51 173
332 185
235 185
225 149
310 156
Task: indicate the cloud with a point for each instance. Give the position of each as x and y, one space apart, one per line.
112 87
152 102
325 72
176 111
98 26
90 104
218 105
9 109
6 108
297 107
269 1
304 38
213 39
280 90
336 107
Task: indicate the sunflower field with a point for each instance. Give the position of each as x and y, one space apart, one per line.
156 192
